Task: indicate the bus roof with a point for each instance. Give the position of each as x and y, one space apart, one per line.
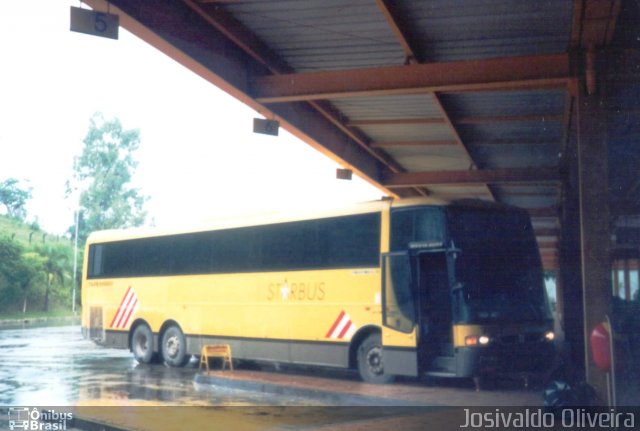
263 219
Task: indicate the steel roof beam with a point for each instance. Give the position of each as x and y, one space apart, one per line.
594 22
228 58
398 27
527 72
495 176
456 135
248 42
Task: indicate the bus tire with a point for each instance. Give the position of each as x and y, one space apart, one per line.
370 360
142 344
174 347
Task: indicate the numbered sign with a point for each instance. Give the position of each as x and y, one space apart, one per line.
266 127
94 23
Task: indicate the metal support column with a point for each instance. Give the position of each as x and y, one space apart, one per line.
570 273
595 237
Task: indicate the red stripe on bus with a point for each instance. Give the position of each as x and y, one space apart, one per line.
118 312
133 307
345 329
335 324
126 308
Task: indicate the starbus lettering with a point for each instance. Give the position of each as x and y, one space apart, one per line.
309 291
296 291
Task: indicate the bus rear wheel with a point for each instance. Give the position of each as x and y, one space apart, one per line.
174 347
142 344
370 361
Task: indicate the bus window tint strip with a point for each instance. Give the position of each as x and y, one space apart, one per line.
338 242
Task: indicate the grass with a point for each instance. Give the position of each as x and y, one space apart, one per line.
24 233
37 314
28 236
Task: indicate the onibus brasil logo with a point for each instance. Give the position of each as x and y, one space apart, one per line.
25 418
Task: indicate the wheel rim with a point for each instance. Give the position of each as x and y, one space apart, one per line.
374 361
172 346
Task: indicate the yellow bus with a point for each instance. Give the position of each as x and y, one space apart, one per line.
406 287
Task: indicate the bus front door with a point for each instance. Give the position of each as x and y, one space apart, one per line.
399 314
435 344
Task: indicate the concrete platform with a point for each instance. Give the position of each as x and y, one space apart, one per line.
343 391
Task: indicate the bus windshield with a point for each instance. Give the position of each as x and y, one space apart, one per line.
498 273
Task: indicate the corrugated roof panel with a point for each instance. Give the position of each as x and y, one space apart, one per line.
527 189
322 34
540 201
408 132
459 191
450 30
430 158
515 156
505 103
392 107
313 35
468 50
548 131
334 34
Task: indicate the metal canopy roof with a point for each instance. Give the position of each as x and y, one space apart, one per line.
451 98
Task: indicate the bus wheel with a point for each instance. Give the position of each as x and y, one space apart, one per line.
142 344
370 363
174 347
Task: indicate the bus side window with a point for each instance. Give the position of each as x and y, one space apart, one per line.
95 260
397 296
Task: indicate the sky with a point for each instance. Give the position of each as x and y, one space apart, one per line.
198 157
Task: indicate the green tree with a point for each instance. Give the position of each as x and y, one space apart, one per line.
14 198
29 274
56 265
103 175
10 261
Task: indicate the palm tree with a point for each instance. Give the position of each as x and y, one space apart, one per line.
27 270
56 265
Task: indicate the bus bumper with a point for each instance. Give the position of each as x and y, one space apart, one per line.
494 360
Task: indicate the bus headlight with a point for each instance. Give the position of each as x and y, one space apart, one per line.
476 340
549 336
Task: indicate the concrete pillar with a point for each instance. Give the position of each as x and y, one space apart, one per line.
595 237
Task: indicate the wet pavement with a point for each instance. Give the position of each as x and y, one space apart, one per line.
107 389
56 366
340 390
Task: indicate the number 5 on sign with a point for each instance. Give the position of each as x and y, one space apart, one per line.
95 23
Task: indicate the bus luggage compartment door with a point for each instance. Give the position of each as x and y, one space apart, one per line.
96 328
